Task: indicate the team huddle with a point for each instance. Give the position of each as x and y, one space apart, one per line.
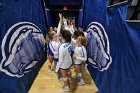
66 47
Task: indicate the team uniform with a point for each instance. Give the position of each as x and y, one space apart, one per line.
48 50
65 60
54 49
80 54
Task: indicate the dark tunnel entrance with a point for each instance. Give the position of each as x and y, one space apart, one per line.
71 9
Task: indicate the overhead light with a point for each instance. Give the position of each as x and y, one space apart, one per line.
65 8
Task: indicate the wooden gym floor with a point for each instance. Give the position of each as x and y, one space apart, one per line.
47 82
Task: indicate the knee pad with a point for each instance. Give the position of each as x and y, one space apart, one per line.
65 79
79 74
69 72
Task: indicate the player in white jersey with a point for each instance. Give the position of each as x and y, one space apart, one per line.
75 36
65 60
80 56
84 33
54 43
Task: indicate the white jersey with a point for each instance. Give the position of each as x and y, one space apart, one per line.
65 60
54 45
80 54
54 48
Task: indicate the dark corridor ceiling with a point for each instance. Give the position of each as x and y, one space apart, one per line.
65 2
59 4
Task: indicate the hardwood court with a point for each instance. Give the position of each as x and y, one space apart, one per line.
47 83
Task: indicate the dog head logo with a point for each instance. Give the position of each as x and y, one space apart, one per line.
22 48
98 49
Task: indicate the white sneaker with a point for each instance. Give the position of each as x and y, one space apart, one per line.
76 76
70 80
80 83
49 71
65 89
60 79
